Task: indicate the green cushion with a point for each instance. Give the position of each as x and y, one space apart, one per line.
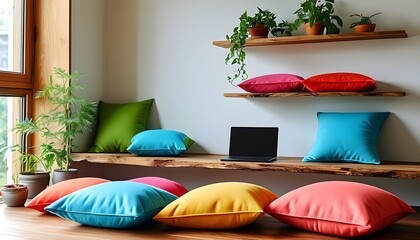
118 123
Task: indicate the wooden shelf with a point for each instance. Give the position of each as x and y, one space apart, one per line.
401 170
317 38
314 94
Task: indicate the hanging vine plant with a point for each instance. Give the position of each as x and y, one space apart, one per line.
237 55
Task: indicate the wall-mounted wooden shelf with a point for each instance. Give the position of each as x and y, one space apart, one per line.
317 38
402 170
314 94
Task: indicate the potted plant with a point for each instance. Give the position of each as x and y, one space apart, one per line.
13 195
30 175
317 15
258 26
364 24
70 114
282 29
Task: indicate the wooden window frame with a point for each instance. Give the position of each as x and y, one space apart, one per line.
14 80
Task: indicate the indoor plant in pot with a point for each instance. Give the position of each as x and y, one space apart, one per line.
261 23
70 115
28 163
317 15
13 195
364 24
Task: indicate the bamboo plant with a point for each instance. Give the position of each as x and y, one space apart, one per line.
70 115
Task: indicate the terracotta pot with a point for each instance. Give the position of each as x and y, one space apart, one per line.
365 28
259 31
316 29
14 196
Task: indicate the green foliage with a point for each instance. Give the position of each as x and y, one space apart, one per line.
363 19
69 116
322 11
236 55
282 29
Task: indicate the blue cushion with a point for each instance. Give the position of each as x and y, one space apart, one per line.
119 204
160 143
347 137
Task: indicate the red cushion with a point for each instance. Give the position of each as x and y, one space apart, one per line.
273 83
339 208
340 82
163 183
61 189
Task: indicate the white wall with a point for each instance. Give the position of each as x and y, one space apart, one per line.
163 50
88 52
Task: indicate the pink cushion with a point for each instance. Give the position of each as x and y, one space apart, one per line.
340 82
163 183
61 189
339 208
273 83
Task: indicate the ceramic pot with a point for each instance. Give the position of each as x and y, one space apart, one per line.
14 195
365 28
36 182
259 31
316 29
60 175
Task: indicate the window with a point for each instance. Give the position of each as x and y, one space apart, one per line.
16 57
16 43
11 109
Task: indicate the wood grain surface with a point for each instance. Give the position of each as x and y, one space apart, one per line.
401 170
23 223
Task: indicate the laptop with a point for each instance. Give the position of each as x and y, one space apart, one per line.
253 144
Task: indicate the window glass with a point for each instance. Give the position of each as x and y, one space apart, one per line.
11 36
10 112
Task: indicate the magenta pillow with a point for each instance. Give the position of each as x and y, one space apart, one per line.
339 208
340 82
162 183
273 83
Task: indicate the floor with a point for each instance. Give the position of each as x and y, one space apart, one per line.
22 223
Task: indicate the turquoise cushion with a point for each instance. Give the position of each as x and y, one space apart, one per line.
160 143
119 204
118 123
347 137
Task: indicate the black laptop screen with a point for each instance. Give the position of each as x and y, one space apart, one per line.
253 141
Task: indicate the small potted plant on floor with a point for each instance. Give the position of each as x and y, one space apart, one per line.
258 26
30 175
70 114
364 24
317 15
13 195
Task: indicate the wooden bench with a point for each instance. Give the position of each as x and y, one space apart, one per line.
399 170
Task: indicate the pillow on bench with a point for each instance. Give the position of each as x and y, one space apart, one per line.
118 123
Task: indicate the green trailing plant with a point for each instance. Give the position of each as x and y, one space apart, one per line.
282 29
363 19
237 55
70 115
322 11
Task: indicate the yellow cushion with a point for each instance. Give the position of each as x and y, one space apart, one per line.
217 206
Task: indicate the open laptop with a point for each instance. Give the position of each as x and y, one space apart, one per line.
253 144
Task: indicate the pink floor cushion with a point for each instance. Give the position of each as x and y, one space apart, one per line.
61 189
163 183
340 208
